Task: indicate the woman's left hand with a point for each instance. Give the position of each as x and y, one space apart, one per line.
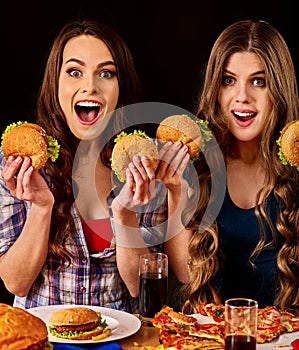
174 158
139 186
25 183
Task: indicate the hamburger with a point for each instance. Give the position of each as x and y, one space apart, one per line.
29 139
181 127
76 323
289 144
128 145
20 330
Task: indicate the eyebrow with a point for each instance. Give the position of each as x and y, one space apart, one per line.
255 73
82 63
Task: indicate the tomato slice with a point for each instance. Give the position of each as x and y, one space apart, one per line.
201 309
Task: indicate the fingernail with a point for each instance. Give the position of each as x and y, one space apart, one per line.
136 158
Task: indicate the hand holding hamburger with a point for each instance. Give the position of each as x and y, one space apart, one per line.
29 139
182 128
128 145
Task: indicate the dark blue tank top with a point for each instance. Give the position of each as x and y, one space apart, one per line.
239 233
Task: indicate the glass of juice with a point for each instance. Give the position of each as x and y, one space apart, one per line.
241 316
153 283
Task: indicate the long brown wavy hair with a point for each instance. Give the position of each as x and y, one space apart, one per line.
50 116
266 42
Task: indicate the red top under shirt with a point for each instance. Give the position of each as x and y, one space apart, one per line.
98 234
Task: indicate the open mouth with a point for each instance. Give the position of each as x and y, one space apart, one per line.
244 117
88 112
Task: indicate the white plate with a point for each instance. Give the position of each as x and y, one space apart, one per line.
121 323
284 339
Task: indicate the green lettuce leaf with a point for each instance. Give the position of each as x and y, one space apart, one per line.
206 136
282 157
68 334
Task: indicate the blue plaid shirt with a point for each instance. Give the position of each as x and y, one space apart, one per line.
90 279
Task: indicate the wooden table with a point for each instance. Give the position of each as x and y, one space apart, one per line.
145 336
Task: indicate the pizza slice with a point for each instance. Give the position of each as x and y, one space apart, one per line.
272 322
214 311
188 342
208 331
169 320
269 326
268 333
289 321
178 330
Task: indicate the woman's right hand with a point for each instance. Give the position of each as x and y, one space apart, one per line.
25 183
139 187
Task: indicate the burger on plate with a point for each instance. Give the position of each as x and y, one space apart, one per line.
289 144
76 323
128 145
20 330
29 139
181 127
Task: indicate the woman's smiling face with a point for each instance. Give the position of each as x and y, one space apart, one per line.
243 96
88 86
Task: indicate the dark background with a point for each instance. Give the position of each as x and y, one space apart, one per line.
170 42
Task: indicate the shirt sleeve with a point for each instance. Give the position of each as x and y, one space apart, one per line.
12 214
153 217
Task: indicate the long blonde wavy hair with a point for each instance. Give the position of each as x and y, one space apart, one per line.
266 42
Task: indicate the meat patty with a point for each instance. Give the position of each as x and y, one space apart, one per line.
80 327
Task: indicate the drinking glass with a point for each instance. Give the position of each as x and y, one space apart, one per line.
153 283
240 324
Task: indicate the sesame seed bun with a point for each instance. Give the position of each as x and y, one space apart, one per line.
73 316
29 140
128 146
289 141
181 128
20 330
